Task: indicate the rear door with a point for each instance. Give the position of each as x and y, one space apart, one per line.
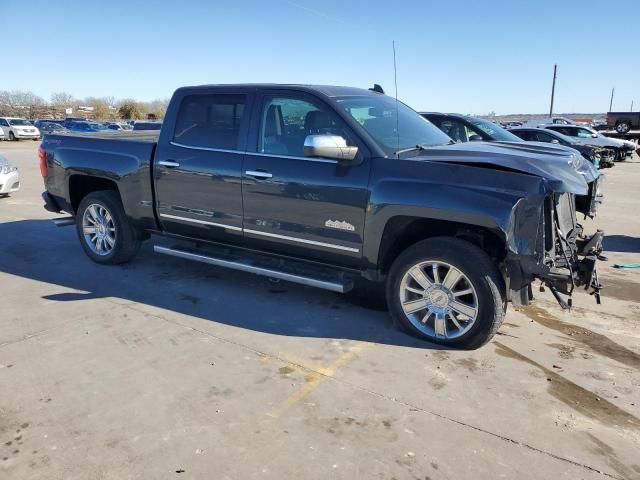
296 205
198 164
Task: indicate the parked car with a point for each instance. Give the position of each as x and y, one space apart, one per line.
18 129
598 125
623 121
86 127
314 184
600 157
147 126
47 128
621 147
118 126
464 128
40 121
9 178
69 120
1 134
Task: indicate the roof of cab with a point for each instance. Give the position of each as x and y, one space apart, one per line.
326 90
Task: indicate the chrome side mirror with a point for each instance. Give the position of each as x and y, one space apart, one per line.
328 146
555 141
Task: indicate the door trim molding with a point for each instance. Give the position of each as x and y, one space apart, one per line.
202 222
302 240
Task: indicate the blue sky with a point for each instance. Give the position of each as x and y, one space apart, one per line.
461 56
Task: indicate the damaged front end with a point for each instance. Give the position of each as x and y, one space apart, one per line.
565 257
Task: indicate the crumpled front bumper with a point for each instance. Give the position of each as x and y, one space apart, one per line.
580 270
564 258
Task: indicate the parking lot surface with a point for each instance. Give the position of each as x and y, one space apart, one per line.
164 368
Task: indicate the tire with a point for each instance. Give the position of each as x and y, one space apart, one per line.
12 137
623 127
105 208
477 275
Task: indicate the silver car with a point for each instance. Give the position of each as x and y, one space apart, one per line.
9 178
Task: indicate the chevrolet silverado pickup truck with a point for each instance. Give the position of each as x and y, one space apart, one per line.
335 187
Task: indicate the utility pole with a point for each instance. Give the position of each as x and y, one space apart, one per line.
553 89
631 110
611 102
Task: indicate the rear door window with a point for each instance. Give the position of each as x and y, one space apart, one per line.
210 121
544 137
523 134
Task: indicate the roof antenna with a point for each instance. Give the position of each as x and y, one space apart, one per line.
395 77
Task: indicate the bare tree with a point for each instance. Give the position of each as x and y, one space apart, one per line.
63 100
18 102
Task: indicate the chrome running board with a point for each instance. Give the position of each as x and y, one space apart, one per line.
313 277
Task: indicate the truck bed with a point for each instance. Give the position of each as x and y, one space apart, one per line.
123 159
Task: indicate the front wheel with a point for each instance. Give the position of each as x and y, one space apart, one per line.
105 232
447 291
12 137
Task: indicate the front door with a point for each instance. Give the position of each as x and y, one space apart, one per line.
296 205
198 166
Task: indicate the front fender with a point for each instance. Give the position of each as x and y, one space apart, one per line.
507 203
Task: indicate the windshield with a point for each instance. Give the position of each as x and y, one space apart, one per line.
377 115
19 121
496 132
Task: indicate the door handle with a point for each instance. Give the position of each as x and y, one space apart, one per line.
168 163
258 174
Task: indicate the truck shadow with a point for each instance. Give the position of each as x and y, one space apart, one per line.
37 250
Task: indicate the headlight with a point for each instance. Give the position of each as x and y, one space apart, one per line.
8 169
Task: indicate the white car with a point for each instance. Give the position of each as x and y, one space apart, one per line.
1 134
9 178
18 129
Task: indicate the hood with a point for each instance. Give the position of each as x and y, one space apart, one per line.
559 167
583 166
603 141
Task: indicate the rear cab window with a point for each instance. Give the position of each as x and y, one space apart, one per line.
210 121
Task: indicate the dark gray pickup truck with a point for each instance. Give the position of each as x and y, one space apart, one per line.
335 187
623 121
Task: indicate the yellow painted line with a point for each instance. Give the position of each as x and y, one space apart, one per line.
314 377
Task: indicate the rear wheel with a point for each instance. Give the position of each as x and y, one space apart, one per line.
447 291
623 127
105 232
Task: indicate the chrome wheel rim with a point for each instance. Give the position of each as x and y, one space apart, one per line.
438 299
99 229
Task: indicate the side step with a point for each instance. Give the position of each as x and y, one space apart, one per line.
291 271
64 222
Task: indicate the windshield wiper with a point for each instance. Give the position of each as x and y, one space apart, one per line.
410 149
